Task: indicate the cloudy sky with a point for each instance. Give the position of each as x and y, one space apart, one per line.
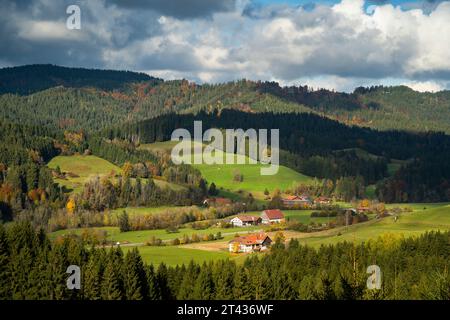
329 43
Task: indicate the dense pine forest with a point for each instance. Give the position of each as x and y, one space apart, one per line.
32 267
29 79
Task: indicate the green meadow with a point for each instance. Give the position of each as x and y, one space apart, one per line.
422 218
434 217
86 167
141 236
253 181
303 216
140 211
177 255
223 174
82 166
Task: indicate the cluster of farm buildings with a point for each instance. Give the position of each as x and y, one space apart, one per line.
261 241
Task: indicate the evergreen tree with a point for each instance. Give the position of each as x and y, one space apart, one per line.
242 289
188 281
154 292
224 281
204 285
92 277
5 292
112 282
134 277
124 224
213 190
163 282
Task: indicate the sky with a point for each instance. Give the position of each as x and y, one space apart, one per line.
333 44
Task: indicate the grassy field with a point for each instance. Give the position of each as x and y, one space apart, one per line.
222 174
303 216
137 211
83 166
173 255
170 255
424 217
434 217
159 147
142 236
254 182
86 167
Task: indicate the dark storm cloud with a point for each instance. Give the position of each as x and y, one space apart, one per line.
180 9
102 28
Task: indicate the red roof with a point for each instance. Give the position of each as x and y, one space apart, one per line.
291 198
244 218
299 198
257 238
274 214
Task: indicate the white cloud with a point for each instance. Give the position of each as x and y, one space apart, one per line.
340 44
48 31
335 46
426 86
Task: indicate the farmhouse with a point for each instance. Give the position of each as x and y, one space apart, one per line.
250 243
322 200
242 221
296 201
272 216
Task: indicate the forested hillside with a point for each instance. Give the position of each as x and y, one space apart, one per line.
33 78
314 145
72 97
110 113
378 107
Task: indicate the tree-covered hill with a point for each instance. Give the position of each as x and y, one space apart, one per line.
380 107
312 142
140 109
32 78
74 98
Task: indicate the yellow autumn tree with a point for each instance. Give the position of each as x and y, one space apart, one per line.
276 193
70 205
106 219
127 169
236 246
279 236
365 203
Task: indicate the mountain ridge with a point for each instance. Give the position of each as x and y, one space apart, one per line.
125 96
